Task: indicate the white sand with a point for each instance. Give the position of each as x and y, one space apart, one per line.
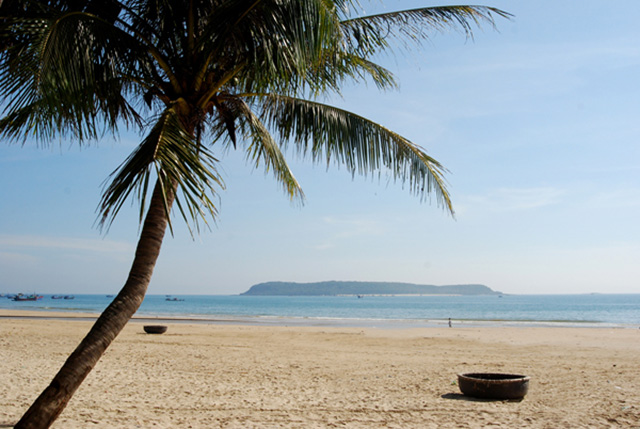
210 376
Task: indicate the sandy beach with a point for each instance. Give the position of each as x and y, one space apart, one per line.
224 376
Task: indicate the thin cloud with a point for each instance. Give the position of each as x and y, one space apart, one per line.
616 199
342 229
64 243
567 57
10 258
529 72
516 199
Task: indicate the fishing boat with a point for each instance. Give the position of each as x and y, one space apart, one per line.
32 297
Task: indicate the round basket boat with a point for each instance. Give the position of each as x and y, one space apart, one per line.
493 386
155 329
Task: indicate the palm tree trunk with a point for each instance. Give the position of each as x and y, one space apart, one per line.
48 406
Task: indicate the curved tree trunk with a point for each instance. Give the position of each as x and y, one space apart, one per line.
113 319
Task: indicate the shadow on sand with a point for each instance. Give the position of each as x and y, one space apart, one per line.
461 397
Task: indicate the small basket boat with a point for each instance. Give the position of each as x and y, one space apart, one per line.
155 329
494 386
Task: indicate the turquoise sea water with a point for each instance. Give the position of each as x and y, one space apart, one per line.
382 311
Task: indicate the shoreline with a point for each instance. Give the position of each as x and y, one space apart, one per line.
392 324
205 375
381 312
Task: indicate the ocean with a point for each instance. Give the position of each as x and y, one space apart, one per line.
589 310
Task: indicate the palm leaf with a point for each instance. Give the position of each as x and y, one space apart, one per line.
178 161
263 149
63 74
330 134
370 34
278 57
334 69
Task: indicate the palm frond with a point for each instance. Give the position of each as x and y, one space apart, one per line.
335 69
62 73
330 134
373 33
178 160
263 149
280 41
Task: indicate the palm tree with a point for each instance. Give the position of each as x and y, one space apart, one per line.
201 76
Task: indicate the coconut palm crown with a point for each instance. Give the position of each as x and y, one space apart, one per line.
200 77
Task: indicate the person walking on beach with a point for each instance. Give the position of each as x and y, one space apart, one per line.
450 322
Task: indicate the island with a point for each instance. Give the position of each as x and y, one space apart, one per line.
338 288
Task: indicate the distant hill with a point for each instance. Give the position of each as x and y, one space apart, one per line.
332 288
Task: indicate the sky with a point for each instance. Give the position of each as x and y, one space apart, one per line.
538 124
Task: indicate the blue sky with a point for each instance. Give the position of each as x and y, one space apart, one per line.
538 124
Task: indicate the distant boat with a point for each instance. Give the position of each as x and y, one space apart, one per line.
69 297
173 299
109 296
56 296
32 297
